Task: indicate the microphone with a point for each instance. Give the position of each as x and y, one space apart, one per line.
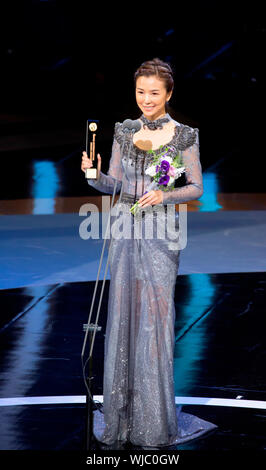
126 126
135 126
131 126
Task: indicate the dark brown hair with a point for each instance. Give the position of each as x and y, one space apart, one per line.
159 68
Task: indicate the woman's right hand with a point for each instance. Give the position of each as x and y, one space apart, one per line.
87 163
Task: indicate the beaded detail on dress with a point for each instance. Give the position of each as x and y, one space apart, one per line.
184 137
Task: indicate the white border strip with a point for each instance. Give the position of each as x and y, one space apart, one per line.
235 402
75 399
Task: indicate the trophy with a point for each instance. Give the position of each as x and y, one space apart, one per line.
91 173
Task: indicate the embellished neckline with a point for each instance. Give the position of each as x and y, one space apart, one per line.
163 147
184 136
156 124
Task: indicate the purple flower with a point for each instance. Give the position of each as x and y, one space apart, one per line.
164 180
165 165
157 168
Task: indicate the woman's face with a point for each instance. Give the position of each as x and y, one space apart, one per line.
151 96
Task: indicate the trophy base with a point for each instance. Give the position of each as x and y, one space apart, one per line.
91 173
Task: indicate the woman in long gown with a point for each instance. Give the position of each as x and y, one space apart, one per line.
138 388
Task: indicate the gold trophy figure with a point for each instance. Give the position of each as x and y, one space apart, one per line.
91 173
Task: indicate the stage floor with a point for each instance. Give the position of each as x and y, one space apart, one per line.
219 360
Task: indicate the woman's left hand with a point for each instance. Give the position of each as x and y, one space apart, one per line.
151 198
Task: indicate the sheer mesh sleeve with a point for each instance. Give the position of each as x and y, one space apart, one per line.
194 187
105 183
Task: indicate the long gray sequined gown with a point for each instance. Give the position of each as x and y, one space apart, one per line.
138 386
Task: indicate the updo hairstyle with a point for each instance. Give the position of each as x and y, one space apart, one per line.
159 68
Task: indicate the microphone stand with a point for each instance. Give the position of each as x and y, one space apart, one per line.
92 328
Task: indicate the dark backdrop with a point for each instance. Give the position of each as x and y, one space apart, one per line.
70 61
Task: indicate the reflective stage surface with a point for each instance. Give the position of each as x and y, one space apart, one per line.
219 354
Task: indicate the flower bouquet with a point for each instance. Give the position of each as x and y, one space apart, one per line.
164 170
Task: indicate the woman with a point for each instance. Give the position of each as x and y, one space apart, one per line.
139 400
